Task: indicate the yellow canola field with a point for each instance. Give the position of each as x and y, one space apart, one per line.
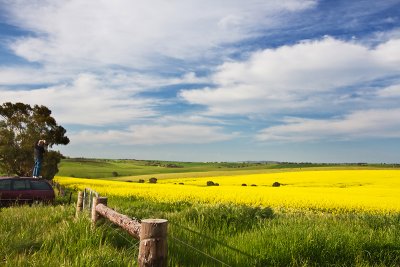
335 191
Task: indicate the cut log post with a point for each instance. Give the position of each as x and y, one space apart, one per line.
152 233
130 225
79 203
153 243
96 201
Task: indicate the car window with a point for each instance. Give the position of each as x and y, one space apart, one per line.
21 185
40 185
5 184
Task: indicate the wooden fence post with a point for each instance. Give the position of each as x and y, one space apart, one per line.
97 200
79 203
153 243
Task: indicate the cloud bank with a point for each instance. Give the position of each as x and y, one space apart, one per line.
295 77
138 34
363 124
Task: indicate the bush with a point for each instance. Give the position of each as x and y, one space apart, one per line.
244 184
276 184
210 183
114 174
153 180
141 181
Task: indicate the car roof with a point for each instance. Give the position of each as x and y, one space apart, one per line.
21 178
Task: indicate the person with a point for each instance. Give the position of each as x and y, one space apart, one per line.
39 151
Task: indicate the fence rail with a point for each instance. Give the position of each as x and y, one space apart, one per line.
132 226
152 233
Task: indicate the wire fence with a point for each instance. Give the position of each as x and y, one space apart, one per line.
89 193
200 251
199 235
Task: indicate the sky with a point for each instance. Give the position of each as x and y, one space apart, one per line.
206 80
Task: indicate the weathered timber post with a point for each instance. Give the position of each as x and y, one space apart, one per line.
153 243
132 226
97 200
79 203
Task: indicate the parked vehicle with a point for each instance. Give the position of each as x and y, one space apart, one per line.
21 190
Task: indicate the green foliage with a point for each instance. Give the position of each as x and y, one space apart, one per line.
20 127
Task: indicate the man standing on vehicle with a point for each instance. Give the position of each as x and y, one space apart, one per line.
38 156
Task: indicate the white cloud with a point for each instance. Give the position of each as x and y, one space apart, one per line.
154 134
88 100
390 91
134 33
289 77
110 97
28 75
377 123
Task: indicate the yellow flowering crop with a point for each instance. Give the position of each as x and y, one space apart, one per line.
336 191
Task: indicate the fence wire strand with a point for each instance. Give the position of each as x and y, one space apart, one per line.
199 251
132 244
214 240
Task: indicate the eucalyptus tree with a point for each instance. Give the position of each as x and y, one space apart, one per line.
21 125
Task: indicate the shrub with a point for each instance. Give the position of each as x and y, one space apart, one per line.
114 174
244 184
141 181
153 180
210 183
276 184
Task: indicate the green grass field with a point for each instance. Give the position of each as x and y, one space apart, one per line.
198 234
143 169
97 168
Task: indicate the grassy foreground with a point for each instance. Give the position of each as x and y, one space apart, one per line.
200 235
209 233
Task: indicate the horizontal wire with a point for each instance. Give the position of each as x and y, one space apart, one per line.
205 254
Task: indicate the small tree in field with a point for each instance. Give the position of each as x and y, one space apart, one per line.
153 180
20 127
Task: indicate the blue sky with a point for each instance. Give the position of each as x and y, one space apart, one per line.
289 80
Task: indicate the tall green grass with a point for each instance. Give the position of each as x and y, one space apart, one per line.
200 235
50 236
206 235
